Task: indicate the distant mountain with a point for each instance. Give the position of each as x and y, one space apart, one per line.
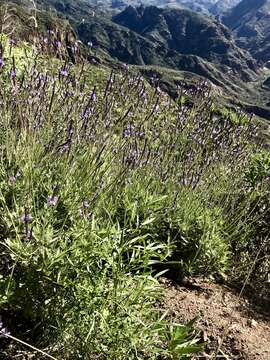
171 38
214 7
182 32
195 5
221 6
250 22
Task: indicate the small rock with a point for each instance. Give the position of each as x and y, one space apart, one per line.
204 336
252 323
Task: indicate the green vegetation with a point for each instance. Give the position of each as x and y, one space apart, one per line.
106 184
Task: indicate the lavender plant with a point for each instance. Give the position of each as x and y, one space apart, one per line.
102 175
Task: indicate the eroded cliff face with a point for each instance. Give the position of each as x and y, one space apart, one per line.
250 23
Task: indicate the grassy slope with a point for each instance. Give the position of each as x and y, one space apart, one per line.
105 181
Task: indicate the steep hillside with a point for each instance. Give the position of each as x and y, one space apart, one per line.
52 35
250 22
178 40
198 5
107 184
187 33
223 5
203 6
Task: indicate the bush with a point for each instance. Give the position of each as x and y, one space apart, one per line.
101 181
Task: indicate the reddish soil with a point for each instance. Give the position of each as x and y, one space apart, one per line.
229 325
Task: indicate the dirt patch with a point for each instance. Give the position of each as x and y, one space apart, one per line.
229 325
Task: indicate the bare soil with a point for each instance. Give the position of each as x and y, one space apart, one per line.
230 326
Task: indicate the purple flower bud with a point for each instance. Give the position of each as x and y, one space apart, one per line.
29 234
52 200
2 63
128 131
93 96
64 72
12 42
13 73
12 179
65 148
86 204
81 212
26 218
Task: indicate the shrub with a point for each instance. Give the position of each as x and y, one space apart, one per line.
99 182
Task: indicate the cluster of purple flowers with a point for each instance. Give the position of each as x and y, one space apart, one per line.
13 73
83 211
26 218
14 178
64 72
52 200
129 130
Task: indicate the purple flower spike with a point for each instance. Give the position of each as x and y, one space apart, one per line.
13 73
64 72
86 204
2 63
26 218
128 131
93 96
12 179
81 212
52 200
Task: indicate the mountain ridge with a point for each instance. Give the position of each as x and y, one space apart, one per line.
250 23
187 33
221 6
